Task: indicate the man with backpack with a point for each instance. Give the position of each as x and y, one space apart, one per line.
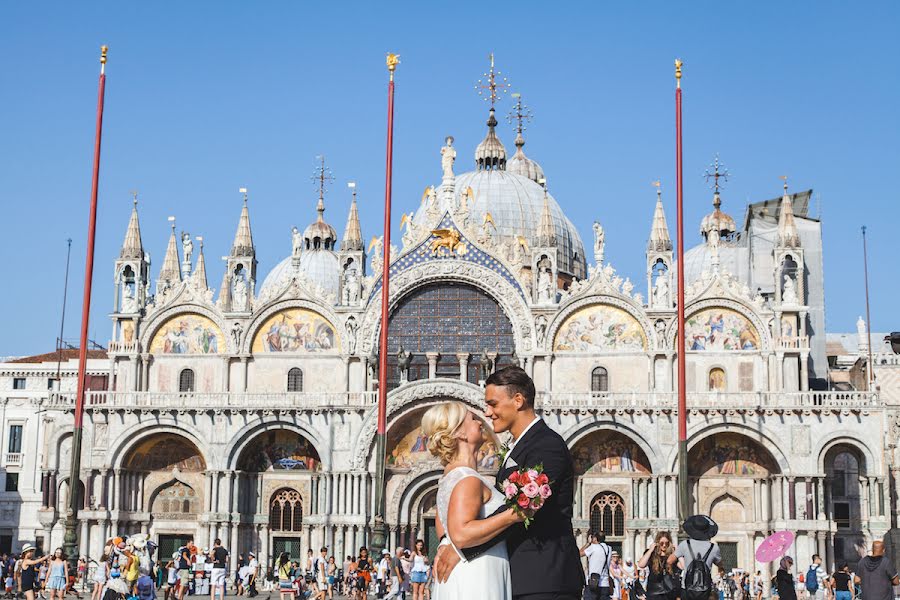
598 554
696 556
815 578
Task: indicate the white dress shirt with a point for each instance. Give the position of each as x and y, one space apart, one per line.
516 441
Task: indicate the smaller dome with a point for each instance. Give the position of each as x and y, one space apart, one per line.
319 234
490 153
717 221
522 165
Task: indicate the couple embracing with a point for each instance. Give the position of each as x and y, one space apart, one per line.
486 550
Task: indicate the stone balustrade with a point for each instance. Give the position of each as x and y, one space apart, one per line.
216 400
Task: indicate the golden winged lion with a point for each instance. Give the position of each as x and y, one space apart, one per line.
446 239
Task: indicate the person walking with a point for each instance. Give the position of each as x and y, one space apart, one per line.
876 575
598 554
219 558
364 570
815 578
184 570
59 575
696 556
661 578
101 574
784 580
331 576
285 581
396 575
419 572
253 567
27 572
841 583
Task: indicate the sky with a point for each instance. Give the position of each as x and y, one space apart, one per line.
204 98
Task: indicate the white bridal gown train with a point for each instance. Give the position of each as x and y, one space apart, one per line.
486 577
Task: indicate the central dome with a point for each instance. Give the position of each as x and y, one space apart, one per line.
515 202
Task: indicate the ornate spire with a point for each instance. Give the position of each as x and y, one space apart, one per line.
490 153
132 247
788 235
352 240
659 232
243 238
320 234
199 275
717 222
519 163
171 269
546 233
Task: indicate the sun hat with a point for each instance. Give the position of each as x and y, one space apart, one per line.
385 552
700 527
27 548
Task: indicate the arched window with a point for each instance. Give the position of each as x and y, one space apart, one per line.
717 381
608 514
599 380
286 510
295 380
186 381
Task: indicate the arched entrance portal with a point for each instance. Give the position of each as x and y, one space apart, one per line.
162 476
845 467
277 476
731 480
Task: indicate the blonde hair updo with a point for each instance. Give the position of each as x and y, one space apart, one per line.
440 423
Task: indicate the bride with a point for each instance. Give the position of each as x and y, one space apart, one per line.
464 500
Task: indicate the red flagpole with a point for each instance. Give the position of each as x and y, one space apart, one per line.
684 494
379 536
71 538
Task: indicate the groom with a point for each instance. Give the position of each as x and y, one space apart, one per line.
543 559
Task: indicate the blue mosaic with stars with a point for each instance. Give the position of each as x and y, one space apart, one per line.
466 251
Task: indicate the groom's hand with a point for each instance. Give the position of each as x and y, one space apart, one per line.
445 561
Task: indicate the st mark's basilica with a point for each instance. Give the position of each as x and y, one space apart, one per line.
250 414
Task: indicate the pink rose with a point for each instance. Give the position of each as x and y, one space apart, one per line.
542 479
536 503
533 474
510 490
545 491
514 477
531 489
523 501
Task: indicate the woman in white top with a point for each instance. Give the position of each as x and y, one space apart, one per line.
100 577
466 503
419 575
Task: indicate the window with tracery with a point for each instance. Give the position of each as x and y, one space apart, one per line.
295 380
286 510
599 380
608 514
449 319
186 380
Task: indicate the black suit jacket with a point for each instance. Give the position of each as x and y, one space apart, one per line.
543 558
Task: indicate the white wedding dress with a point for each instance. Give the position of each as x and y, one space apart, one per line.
486 577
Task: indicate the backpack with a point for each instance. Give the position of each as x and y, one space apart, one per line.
812 579
697 577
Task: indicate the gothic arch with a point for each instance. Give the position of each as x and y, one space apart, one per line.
128 440
508 296
758 434
409 397
256 323
188 506
828 442
568 309
158 319
723 502
582 430
247 434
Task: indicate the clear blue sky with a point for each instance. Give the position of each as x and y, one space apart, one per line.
206 97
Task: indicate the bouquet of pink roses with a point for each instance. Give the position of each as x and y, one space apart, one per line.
526 490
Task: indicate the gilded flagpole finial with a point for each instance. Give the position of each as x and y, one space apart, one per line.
678 64
392 61
103 50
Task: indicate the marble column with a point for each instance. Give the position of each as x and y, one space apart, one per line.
820 500
463 358
432 364
116 490
145 370
104 489
804 372
864 498
653 511
244 372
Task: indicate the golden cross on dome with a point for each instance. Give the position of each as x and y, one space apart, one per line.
492 84
520 113
716 174
134 195
658 185
322 176
784 178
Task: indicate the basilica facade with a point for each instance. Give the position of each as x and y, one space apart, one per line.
250 414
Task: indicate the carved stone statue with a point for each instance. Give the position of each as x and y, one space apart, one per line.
409 233
599 241
540 324
545 286
239 294
627 287
129 302
236 330
660 327
789 295
487 365
448 156
376 250
861 328
187 247
352 287
404 360
296 242
661 292
351 326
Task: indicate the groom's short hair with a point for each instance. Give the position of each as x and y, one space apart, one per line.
517 380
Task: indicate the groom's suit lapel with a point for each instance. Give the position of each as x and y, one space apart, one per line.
505 468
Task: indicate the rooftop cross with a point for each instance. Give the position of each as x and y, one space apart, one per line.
134 195
322 177
492 84
716 174
784 178
520 113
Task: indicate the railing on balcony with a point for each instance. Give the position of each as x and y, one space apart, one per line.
13 459
217 400
123 347
708 400
793 343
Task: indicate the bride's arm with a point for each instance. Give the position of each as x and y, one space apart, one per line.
464 526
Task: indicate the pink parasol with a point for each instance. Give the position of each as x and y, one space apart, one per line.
775 546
